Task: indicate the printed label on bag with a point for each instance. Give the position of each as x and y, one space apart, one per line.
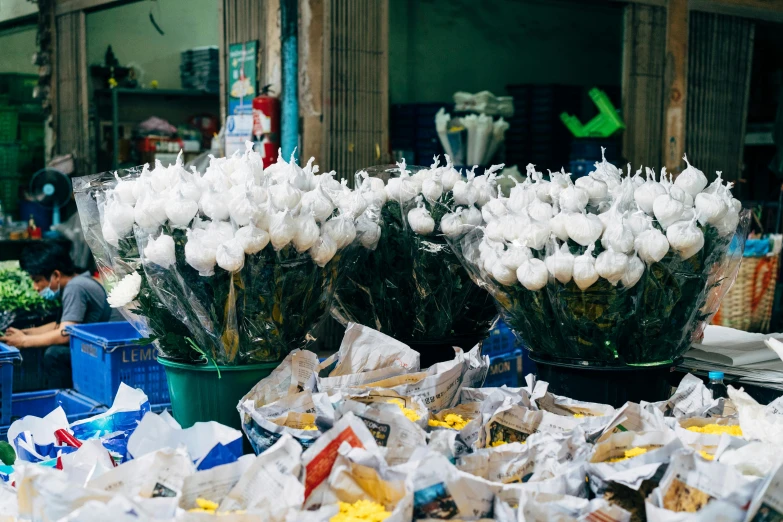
434 502
380 432
319 468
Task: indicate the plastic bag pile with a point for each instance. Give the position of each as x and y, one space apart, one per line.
368 435
629 266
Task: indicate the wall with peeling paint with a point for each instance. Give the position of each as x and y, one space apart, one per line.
439 46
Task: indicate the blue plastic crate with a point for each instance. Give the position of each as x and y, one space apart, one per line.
41 403
160 408
580 168
501 341
505 369
31 375
104 354
8 356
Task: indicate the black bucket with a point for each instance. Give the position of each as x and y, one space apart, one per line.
607 385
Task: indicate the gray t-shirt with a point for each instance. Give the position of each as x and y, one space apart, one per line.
84 301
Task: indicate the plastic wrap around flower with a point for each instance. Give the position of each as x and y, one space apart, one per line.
410 285
235 266
611 270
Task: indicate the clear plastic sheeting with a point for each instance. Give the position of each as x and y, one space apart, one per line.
263 311
145 313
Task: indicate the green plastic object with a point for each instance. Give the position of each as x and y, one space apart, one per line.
9 122
18 88
606 123
198 395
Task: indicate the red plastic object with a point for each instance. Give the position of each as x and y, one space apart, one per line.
159 144
266 125
207 125
33 231
64 438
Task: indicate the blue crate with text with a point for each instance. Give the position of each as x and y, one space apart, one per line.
105 354
505 369
501 340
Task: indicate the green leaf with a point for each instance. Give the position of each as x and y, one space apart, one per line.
412 287
650 323
17 293
7 454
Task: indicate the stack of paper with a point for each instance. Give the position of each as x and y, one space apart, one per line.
199 69
754 358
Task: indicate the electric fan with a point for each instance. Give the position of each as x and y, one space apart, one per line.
51 189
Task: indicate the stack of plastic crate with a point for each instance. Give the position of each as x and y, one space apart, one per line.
508 363
413 130
39 403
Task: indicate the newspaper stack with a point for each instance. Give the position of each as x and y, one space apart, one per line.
369 435
199 69
753 357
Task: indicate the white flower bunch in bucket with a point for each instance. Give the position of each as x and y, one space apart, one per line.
241 254
612 259
409 284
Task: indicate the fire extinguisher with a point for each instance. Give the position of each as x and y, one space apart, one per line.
266 125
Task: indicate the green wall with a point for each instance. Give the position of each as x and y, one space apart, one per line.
17 47
187 24
437 47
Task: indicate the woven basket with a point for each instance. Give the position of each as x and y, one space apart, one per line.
748 304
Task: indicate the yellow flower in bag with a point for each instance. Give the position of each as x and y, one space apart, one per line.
408 412
360 511
717 429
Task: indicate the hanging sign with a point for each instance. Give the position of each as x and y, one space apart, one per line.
242 84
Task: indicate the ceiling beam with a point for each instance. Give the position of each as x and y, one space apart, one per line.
68 6
769 10
15 11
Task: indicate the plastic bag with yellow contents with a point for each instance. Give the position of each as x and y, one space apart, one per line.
390 426
297 415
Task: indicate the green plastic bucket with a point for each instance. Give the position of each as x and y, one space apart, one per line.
197 394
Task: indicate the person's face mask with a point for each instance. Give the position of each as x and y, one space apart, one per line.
48 294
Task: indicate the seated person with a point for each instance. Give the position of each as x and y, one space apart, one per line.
83 301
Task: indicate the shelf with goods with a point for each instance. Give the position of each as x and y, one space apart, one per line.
119 110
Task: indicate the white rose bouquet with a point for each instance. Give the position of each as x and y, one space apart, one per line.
609 269
237 265
409 284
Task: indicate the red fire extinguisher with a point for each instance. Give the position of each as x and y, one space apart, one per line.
266 125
